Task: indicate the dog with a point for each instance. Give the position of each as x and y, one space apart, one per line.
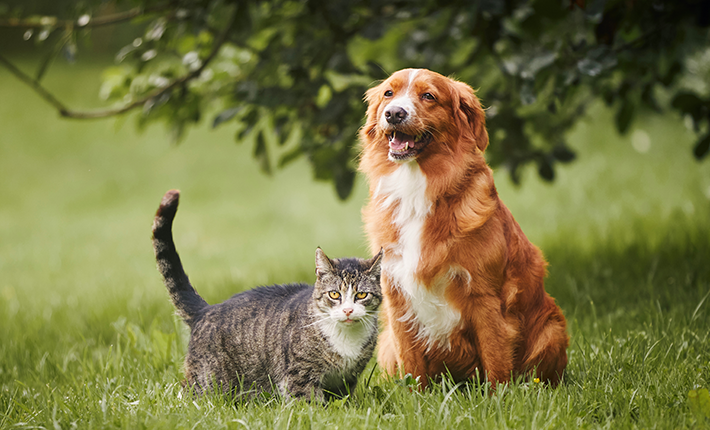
462 285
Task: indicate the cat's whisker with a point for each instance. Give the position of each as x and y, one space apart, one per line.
325 318
369 323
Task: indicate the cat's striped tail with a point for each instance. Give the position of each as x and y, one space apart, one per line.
184 297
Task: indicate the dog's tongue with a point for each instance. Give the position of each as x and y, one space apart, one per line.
400 141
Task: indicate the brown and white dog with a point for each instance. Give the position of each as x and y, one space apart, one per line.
463 286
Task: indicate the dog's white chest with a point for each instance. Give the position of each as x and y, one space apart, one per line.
406 188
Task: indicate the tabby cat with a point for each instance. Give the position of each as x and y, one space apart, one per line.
298 340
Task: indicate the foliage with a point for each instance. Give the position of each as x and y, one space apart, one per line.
290 75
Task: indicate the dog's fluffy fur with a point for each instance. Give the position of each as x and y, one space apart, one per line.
463 286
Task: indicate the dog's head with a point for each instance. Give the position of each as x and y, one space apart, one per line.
417 112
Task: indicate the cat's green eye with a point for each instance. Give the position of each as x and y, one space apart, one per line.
334 295
360 296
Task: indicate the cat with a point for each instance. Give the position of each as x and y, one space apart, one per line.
297 340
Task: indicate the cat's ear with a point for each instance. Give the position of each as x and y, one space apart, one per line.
375 262
323 263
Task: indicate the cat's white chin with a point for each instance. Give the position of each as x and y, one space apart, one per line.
347 338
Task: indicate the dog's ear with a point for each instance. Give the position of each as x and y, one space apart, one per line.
470 115
373 98
370 95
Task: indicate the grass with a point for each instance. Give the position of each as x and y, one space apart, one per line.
89 340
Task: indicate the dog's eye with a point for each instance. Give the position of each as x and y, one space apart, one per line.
428 96
389 93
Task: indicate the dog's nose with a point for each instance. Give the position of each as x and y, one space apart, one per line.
395 114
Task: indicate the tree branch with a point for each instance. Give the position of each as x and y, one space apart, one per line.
53 22
68 113
34 84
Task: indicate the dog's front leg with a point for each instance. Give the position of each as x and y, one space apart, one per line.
496 337
387 356
401 351
412 358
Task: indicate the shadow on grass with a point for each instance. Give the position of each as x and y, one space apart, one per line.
637 265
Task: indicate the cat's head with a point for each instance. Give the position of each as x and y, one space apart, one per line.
347 290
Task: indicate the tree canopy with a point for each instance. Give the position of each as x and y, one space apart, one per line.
289 76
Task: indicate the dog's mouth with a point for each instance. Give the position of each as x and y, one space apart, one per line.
404 146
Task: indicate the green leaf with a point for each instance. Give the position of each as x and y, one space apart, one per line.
597 60
514 170
527 93
282 127
250 120
701 148
324 96
186 44
226 115
648 97
700 402
69 51
687 102
589 67
290 156
115 82
562 153
545 169
177 131
124 52
625 115
537 63
261 154
674 71
408 381
344 179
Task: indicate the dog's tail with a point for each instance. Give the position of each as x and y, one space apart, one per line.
189 304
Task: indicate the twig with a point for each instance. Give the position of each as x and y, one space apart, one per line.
68 113
46 95
53 22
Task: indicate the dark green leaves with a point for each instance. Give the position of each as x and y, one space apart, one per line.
261 154
226 115
596 61
563 153
698 110
691 104
624 115
545 169
293 74
701 148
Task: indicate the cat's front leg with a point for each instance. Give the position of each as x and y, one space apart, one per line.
302 389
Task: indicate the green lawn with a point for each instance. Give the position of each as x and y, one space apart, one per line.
87 334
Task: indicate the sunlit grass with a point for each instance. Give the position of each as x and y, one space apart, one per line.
89 338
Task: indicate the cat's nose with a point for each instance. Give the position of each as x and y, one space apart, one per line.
347 311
